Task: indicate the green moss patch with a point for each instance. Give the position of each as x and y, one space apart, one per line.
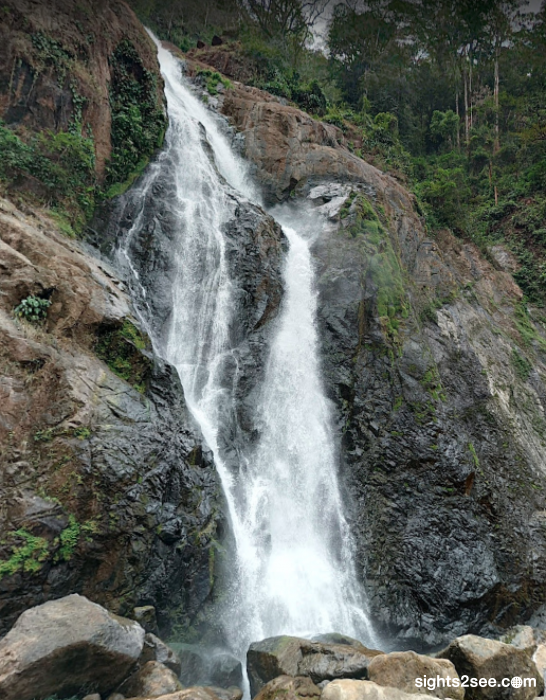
121 349
212 80
383 266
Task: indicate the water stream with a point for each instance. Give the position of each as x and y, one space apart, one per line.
294 570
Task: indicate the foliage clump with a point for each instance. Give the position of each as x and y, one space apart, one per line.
121 349
58 167
212 80
138 122
32 309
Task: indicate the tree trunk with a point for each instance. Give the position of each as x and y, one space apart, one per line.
496 93
466 123
470 91
458 121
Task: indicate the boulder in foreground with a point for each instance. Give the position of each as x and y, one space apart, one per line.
60 646
291 656
153 679
288 688
365 690
485 659
400 669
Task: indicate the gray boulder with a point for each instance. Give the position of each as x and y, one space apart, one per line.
156 650
291 656
146 616
153 680
98 648
487 659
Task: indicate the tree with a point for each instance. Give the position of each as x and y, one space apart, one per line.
294 18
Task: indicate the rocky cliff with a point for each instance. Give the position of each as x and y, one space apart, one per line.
105 486
66 65
436 367
434 363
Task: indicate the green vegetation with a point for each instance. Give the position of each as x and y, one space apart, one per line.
33 309
138 122
28 552
28 555
68 540
474 455
59 168
212 80
383 266
521 365
121 349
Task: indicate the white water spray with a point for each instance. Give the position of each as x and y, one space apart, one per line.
294 564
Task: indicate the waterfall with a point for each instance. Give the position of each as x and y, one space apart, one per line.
294 571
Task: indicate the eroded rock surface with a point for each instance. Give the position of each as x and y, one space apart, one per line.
106 489
36 38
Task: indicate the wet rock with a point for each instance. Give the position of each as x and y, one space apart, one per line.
291 656
115 696
365 690
146 617
93 696
486 659
420 463
401 669
290 688
153 679
224 670
193 660
99 648
156 650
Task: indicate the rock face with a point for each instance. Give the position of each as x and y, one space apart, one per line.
401 669
70 633
437 370
288 688
291 656
487 659
364 690
57 58
106 489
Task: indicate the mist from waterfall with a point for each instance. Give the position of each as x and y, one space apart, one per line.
294 571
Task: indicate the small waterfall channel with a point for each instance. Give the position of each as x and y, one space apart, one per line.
294 572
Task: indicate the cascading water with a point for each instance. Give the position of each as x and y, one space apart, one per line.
294 564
